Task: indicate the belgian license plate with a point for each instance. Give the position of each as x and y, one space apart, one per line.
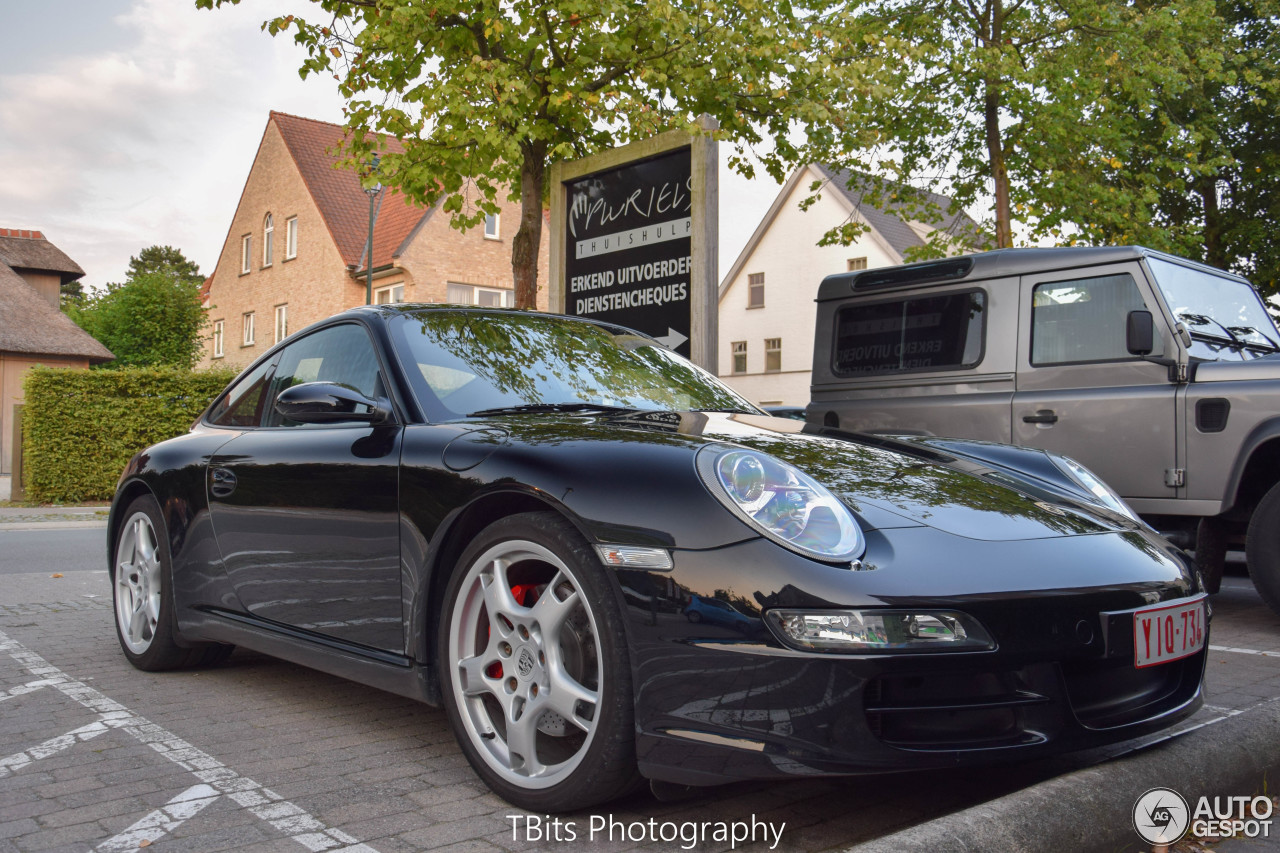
1167 632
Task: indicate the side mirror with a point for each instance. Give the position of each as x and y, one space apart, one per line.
1140 333
329 403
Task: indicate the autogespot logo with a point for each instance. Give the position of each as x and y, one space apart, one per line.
1161 816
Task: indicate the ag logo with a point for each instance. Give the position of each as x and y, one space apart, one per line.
1161 816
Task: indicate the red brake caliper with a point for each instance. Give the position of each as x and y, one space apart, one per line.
524 594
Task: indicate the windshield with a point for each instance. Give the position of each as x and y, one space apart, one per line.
1226 317
472 363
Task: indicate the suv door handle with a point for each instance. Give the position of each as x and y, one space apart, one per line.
1043 416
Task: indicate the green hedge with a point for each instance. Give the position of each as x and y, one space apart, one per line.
80 427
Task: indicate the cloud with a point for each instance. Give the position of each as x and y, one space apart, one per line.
148 138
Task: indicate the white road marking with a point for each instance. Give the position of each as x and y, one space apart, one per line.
1244 651
261 802
162 821
29 687
13 763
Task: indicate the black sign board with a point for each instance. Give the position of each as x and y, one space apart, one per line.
628 247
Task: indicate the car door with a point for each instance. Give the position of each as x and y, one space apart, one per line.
1080 392
306 515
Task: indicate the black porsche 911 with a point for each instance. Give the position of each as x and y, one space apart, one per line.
513 515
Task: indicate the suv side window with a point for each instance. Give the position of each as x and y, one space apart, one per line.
242 405
340 354
943 332
1083 320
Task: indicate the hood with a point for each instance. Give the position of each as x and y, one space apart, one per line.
1266 367
886 483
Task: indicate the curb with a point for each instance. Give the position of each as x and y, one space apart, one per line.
53 525
1092 809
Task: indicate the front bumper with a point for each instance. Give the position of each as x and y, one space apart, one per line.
718 702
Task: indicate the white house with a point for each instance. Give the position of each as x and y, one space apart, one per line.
767 312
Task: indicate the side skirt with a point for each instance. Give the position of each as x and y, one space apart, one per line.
394 673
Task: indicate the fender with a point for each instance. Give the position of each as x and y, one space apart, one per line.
1258 436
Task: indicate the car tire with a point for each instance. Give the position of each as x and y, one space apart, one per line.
1262 548
693 616
1211 552
142 595
534 668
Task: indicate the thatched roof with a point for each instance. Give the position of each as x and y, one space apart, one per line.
29 250
29 324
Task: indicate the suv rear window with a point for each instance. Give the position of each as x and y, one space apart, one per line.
942 332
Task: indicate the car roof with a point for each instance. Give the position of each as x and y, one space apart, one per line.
984 265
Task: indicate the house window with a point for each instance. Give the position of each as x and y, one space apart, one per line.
282 322
248 329
246 252
487 297
772 355
388 295
291 238
268 234
217 339
491 226
739 356
755 290
856 264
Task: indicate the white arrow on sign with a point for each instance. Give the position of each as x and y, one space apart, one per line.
671 339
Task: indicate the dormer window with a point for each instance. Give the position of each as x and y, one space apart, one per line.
268 231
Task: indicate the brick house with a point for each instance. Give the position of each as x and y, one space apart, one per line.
295 251
33 329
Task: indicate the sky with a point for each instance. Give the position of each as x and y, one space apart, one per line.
131 123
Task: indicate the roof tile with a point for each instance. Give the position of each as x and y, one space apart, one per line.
339 196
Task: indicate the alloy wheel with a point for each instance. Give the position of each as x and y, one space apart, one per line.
527 667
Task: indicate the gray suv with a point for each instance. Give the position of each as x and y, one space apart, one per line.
1158 373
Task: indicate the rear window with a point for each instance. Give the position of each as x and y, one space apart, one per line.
942 332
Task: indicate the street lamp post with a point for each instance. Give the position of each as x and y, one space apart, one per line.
372 192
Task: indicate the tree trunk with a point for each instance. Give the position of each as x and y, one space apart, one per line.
999 172
1213 252
994 38
528 240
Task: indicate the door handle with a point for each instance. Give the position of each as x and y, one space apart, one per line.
222 482
1043 416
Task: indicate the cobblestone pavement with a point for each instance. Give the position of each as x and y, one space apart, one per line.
264 755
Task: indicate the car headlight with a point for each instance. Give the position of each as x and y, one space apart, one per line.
1087 480
783 503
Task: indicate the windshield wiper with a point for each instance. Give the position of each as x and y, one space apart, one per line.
1250 330
550 408
1204 320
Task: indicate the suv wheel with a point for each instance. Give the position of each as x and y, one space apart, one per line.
1262 548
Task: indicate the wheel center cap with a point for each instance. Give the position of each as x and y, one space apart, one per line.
525 663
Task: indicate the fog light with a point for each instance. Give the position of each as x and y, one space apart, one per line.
879 630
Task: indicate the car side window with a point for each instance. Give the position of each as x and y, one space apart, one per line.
340 354
1083 319
242 405
913 333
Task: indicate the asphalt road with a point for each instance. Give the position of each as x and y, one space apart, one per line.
50 551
